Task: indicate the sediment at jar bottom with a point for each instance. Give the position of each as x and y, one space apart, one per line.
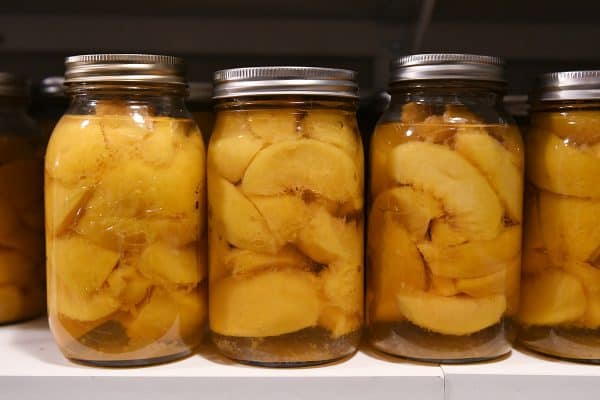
565 342
309 346
125 242
22 286
286 235
444 236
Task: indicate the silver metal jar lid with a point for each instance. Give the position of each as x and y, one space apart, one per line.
53 86
570 85
128 68
442 66
200 92
273 81
13 85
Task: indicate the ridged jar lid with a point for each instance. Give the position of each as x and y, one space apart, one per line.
570 85
273 81
200 92
12 85
127 68
447 66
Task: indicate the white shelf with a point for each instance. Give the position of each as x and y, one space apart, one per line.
31 367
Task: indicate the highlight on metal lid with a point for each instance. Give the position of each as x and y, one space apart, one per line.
13 85
285 80
442 66
133 68
569 85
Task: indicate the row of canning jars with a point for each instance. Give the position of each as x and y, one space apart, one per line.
125 215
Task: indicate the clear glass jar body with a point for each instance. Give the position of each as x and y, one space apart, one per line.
285 195
22 287
443 253
124 185
560 311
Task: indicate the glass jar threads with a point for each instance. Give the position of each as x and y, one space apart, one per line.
22 288
124 184
560 310
285 195
445 218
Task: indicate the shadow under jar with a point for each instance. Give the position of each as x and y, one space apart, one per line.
285 196
444 237
560 310
124 184
22 287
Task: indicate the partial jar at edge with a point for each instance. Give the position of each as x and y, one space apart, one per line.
285 194
124 184
22 286
560 310
445 213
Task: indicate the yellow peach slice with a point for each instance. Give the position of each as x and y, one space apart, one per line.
237 218
461 115
274 125
269 304
442 233
591 317
487 285
495 162
163 263
15 268
127 285
229 156
285 215
191 310
326 239
570 227
11 304
443 286
64 205
473 259
336 128
242 261
77 305
414 112
154 318
579 126
434 129
342 285
77 151
551 298
337 322
81 265
451 315
556 165
464 192
304 165
386 136
588 275
412 208
230 123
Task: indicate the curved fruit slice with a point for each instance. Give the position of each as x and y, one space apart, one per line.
555 165
487 285
444 234
231 123
326 239
412 208
394 262
274 125
15 268
163 263
385 138
241 261
82 307
337 322
304 165
551 298
191 310
588 275
64 205
473 259
269 304
495 162
77 151
230 155
581 127
451 315
12 304
127 285
460 114
285 215
570 227
434 129
464 192
237 218
81 265
443 286
591 317
342 285
158 146
414 112
154 318
336 128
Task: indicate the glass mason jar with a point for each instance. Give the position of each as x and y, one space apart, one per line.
22 287
560 310
49 104
199 102
125 214
285 198
446 183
